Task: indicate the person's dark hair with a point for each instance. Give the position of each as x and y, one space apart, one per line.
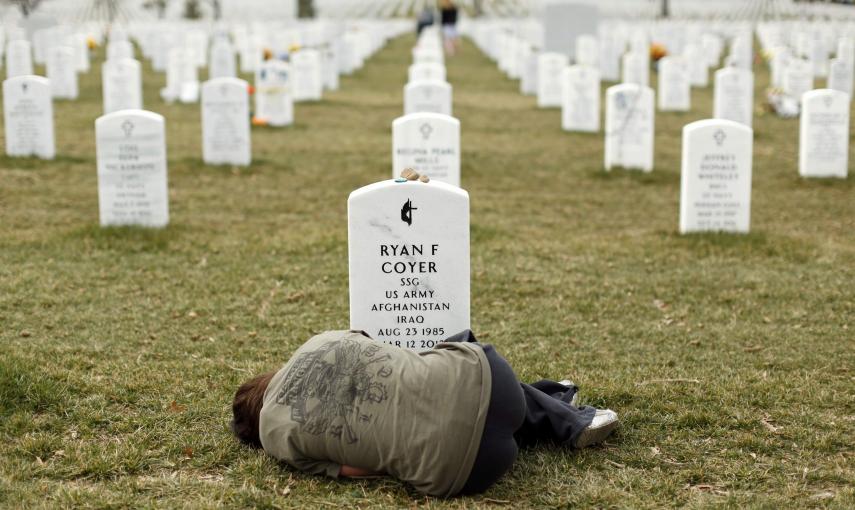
247 409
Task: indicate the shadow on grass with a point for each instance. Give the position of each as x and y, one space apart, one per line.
32 163
25 387
127 239
624 175
755 244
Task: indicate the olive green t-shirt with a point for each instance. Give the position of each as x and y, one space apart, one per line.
345 399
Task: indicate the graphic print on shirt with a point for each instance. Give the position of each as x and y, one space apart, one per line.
334 386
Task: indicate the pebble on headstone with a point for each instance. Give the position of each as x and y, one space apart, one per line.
734 95
121 84
715 185
824 134
225 122
427 96
28 117
629 127
409 262
132 181
550 69
580 109
429 143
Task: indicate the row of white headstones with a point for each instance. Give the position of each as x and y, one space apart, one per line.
717 153
409 240
131 142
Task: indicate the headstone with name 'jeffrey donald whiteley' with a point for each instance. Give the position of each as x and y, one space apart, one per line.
715 186
409 261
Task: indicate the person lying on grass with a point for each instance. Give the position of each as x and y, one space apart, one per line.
447 421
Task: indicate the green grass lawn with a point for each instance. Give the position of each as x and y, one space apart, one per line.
730 358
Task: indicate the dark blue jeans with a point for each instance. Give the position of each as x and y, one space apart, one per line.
520 415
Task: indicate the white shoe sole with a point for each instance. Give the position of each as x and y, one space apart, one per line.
605 422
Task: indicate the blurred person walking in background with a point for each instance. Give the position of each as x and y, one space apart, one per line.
448 15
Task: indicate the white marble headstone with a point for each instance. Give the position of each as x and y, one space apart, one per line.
675 88
222 61
132 184
840 76
307 76
330 58
409 262
225 122
426 71
824 134
636 69
550 71
699 73
798 78
121 85
580 110
427 96
428 143
629 127
28 117
120 49
715 186
273 100
62 72
19 58
734 95
528 77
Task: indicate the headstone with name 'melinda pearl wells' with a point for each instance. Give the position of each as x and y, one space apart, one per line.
225 122
629 127
428 143
132 183
715 186
427 96
28 117
824 134
580 109
409 262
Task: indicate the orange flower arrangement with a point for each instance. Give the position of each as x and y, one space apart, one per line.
658 51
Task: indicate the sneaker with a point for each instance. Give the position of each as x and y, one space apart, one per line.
568 383
605 422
